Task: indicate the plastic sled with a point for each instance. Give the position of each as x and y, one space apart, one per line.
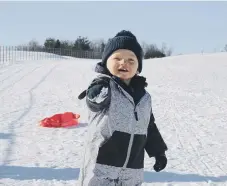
66 119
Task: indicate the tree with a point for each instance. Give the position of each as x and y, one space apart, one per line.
33 44
82 43
165 50
98 45
144 46
103 45
67 44
57 44
152 51
50 43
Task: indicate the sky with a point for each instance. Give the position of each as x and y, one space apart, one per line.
186 27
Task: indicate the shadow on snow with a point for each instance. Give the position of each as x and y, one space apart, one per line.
46 173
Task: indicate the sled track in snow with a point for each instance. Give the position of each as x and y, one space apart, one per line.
192 129
179 130
3 71
26 111
11 75
200 157
195 151
24 76
25 108
183 119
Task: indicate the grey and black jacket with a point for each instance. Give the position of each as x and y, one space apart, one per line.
121 128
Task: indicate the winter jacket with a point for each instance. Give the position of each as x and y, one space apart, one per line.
121 128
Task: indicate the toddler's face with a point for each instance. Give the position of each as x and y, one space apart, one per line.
123 64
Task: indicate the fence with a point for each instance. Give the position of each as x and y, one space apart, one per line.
11 53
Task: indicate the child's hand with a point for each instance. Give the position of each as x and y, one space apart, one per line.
98 94
161 162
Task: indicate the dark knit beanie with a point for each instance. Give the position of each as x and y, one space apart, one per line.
123 40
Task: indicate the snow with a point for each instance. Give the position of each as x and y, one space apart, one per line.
189 103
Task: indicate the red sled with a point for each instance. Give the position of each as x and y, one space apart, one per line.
66 119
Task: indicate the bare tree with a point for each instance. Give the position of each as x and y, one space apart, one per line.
98 45
165 50
33 45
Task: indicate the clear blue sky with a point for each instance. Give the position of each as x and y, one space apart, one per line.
187 27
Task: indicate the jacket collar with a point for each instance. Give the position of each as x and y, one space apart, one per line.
136 82
136 89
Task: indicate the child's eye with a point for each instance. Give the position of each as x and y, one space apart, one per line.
131 61
117 58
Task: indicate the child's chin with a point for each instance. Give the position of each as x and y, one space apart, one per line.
123 77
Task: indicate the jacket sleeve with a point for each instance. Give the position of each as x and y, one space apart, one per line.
155 144
98 94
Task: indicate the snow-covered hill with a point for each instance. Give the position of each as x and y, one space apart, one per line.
189 102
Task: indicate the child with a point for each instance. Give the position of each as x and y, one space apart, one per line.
121 123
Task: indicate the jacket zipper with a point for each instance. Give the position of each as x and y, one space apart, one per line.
136 115
131 140
132 134
135 112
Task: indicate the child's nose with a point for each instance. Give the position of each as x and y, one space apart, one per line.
123 61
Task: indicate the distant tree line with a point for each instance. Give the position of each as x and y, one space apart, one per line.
83 44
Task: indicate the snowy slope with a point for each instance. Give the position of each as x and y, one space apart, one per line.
189 102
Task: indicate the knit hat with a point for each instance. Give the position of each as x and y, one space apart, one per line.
123 40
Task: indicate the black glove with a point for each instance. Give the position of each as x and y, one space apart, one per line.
98 94
95 87
160 162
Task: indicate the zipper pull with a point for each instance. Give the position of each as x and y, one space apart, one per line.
136 115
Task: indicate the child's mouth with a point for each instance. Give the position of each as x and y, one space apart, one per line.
123 70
